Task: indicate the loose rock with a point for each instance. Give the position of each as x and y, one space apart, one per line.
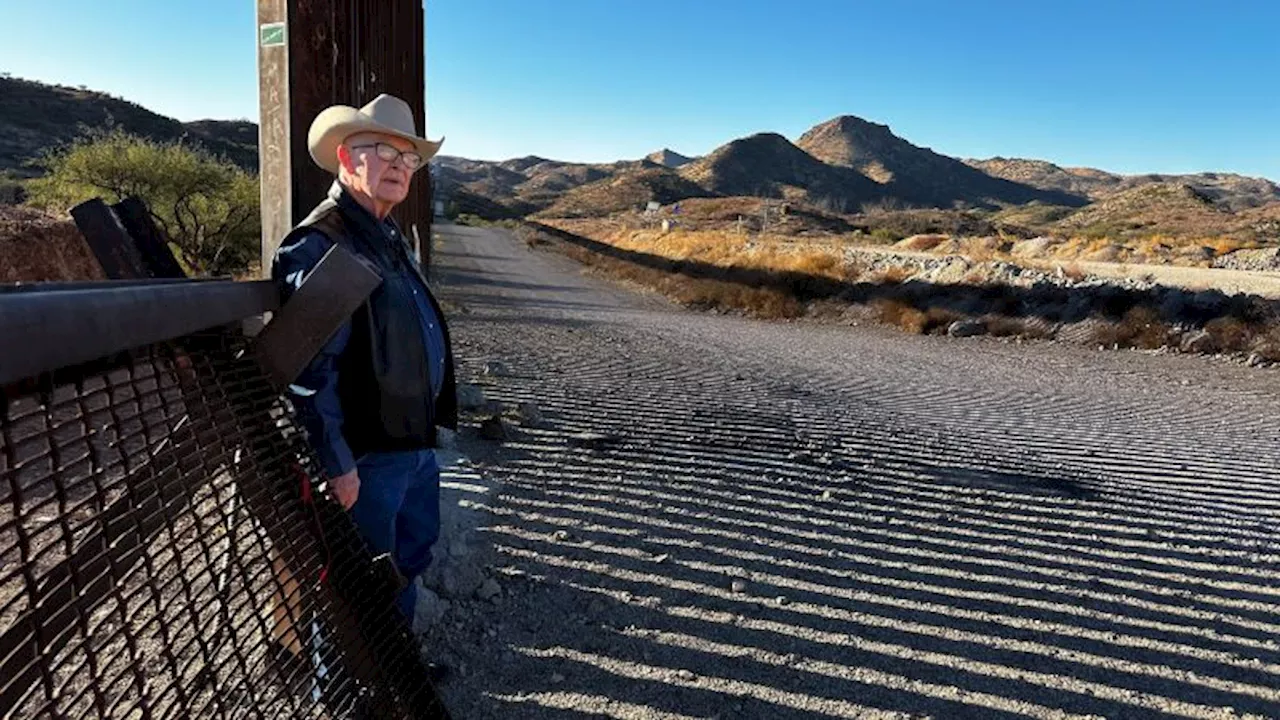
496 429
967 328
592 440
530 415
1197 342
738 586
489 589
431 609
471 397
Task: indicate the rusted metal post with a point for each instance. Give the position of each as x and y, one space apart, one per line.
108 240
333 52
275 159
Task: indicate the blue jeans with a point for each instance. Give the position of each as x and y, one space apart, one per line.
398 512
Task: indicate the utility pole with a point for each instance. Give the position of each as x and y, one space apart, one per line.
316 53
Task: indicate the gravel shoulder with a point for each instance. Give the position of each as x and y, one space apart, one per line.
741 519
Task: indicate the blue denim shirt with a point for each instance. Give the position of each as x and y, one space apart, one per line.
315 392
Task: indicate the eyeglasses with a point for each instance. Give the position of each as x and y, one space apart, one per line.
410 159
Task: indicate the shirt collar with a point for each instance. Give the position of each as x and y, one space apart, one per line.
364 220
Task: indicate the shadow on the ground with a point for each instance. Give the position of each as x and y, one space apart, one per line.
711 564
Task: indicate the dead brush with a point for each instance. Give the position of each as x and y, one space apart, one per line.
1230 334
982 249
1016 327
1224 245
894 275
923 243
762 302
938 320
901 314
1140 327
1073 272
1267 345
816 262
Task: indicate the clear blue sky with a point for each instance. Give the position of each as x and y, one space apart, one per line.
1167 86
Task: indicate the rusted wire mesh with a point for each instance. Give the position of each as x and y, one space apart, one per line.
162 554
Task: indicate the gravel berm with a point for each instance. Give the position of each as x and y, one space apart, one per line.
717 517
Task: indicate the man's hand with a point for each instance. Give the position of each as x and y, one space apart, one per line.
345 488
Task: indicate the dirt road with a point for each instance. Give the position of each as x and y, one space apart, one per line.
786 520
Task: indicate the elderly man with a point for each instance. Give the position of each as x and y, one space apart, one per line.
372 399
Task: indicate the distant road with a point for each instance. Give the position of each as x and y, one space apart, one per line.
800 520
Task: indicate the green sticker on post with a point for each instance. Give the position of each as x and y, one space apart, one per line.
271 34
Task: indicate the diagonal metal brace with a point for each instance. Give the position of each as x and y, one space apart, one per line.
330 294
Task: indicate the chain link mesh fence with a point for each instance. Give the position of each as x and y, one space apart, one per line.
163 554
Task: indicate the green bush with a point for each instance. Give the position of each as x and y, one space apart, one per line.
208 207
886 235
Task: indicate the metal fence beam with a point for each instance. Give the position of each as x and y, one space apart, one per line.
152 245
337 286
45 331
108 239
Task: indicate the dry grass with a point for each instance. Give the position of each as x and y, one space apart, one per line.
696 293
772 278
1151 249
725 248
983 249
900 314
922 243
892 275
1156 249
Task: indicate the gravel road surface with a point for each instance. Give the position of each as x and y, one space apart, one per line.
727 518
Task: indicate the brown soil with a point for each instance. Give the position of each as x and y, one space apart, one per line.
37 247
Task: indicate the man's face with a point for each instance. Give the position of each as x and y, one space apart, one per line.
386 181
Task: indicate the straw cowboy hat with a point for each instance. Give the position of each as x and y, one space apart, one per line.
385 114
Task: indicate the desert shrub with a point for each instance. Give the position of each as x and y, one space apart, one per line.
1074 272
1230 334
891 275
817 263
923 243
207 206
1267 345
901 314
938 320
1140 326
886 235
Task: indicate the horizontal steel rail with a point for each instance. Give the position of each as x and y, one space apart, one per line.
47 327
